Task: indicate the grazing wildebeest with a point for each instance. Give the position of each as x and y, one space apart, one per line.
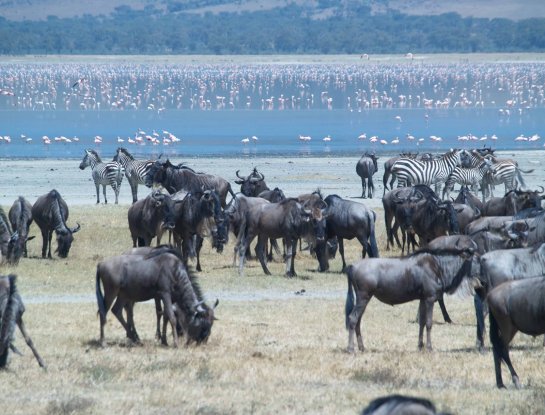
183 321
50 213
20 217
198 215
175 178
400 405
366 168
389 203
287 219
514 306
504 265
104 174
11 314
425 276
135 170
148 217
128 279
346 219
253 184
513 202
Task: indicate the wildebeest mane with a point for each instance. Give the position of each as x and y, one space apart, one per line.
393 403
59 215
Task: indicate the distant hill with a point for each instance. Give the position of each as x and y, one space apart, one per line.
19 10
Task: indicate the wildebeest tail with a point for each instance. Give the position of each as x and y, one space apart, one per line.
373 248
100 296
349 305
8 312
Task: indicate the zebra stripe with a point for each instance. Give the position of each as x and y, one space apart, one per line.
413 172
467 176
135 170
104 174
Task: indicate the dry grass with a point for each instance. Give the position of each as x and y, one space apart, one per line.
271 350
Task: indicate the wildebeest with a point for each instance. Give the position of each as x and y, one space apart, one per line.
183 321
467 198
513 202
11 314
389 202
175 178
465 214
20 217
400 405
148 217
505 265
197 216
50 212
366 168
253 184
514 306
275 195
346 219
425 276
287 219
128 279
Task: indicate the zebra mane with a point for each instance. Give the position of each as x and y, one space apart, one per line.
126 152
95 154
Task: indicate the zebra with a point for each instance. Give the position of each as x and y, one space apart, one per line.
472 176
505 171
135 170
412 172
110 173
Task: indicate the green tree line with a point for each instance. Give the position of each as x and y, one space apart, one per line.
287 30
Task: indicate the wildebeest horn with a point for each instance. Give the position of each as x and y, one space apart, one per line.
239 176
75 228
542 189
216 303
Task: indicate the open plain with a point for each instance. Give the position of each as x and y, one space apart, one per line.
278 345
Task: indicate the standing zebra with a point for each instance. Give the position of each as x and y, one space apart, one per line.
472 176
110 173
366 168
412 172
505 171
135 170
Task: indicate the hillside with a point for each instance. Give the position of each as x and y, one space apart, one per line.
19 10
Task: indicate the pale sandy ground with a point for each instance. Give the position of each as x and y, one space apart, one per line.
294 175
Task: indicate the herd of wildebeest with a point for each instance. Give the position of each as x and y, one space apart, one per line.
495 244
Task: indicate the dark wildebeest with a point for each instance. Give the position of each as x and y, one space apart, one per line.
148 217
390 205
176 178
504 265
400 405
11 314
20 217
253 184
315 202
514 306
50 213
366 168
513 202
198 215
183 321
275 195
465 214
346 219
467 198
128 279
425 276
287 219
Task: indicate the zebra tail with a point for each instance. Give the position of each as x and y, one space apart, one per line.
8 322
520 178
100 296
349 304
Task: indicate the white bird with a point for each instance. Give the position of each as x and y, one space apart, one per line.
362 136
373 139
521 138
327 138
410 137
383 142
398 118
535 137
493 137
395 140
119 139
245 140
254 138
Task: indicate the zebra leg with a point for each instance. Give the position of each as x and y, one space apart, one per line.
97 186
116 191
134 191
104 191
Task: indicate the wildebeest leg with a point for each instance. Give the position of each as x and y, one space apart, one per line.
260 250
198 246
502 332
354 323
245 242
444 311
169 312
117 311
364 244
341 251
129 308
425 309
371 187
28 340
291 246
363 185
479 315
45 240
49 238
159 313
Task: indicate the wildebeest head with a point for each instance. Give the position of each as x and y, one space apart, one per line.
157 173
200 324
165 202
64 239
253 184
16 247
274 196
218 225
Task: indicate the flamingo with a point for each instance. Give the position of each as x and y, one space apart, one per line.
398 118
362 136
395 140
254 138
327 138
245 140
119 139
535 137
383 142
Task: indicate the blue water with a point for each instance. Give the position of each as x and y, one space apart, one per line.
218 133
